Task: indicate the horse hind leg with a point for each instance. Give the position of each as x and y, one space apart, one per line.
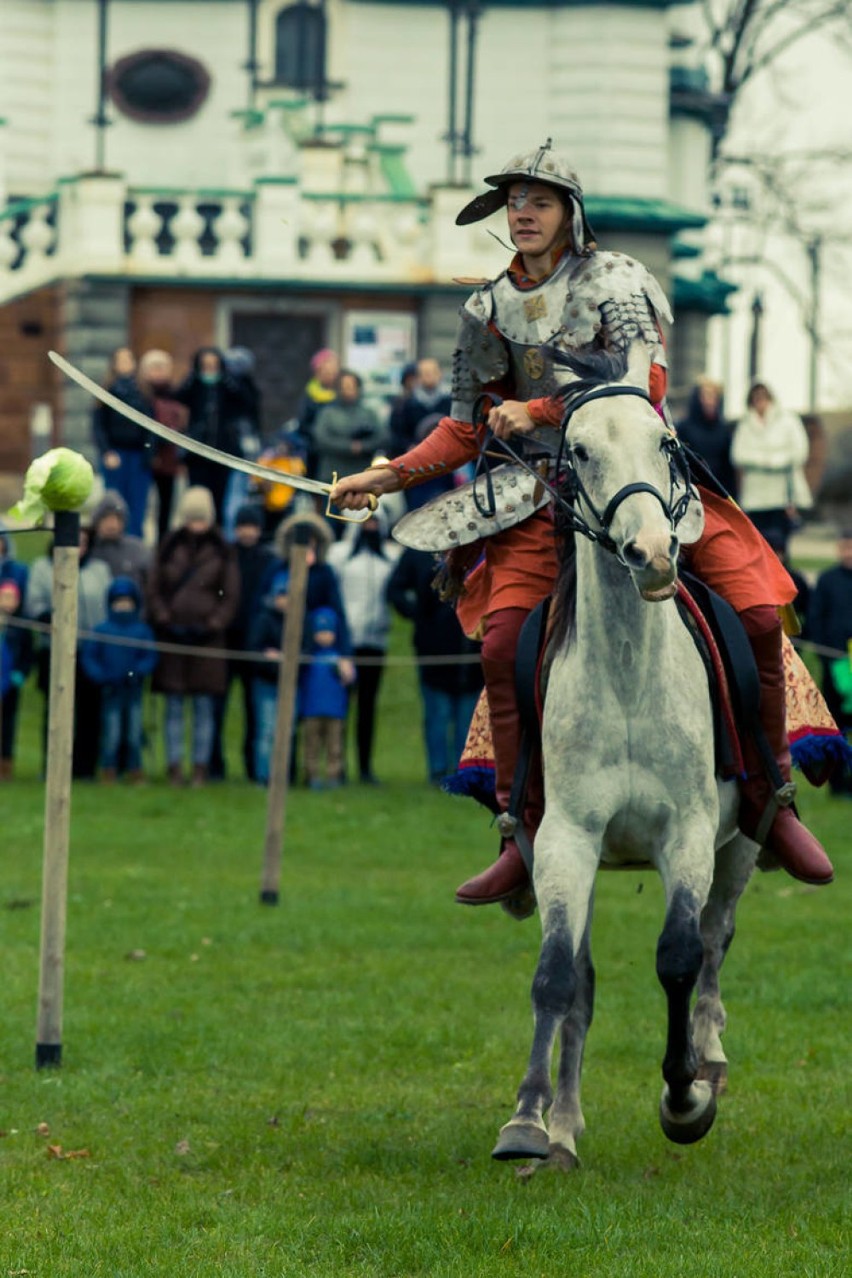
687 1106
553 991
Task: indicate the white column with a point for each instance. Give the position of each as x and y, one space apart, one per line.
91 221
277 218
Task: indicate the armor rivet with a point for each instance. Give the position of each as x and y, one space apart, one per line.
510 510
472 526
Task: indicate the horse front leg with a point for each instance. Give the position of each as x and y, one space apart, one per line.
566 1115
564 895
734 865
687 1106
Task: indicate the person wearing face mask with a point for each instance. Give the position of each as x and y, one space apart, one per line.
156 380
561 294
218 403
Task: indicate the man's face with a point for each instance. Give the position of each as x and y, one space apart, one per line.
8 600
537 217
247 534
429 373
844 551
110 526
328 370
349 390
324 638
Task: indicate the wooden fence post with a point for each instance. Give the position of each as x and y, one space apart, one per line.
288 677
57 804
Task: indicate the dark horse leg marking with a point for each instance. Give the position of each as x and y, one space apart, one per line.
687 1108
553 991
566 1115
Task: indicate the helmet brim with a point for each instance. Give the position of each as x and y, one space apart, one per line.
482 206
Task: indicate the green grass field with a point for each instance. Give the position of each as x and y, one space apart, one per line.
314 1088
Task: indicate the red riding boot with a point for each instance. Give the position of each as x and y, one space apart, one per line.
796 849
500 882
507 877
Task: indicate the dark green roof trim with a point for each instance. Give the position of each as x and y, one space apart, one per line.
686 250
281 285
707 295
626 213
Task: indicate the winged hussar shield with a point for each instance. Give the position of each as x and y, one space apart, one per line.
455 519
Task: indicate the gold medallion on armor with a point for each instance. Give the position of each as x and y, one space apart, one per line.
534 364
535 307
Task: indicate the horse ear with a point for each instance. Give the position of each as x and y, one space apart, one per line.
638 364
691 526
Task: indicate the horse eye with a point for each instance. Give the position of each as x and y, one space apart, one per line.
581 453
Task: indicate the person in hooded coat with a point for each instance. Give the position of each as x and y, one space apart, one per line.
192 597
324 701
120 670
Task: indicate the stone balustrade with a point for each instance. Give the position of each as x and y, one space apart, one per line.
97 224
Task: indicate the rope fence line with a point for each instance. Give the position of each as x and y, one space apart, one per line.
240 654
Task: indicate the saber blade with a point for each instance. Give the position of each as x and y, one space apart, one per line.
186 442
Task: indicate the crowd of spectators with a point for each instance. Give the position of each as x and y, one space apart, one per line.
183 560
184 583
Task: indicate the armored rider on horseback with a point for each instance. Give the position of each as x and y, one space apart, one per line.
560 293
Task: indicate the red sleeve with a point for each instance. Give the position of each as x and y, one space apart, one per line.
448 446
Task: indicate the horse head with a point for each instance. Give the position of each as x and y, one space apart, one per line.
624 471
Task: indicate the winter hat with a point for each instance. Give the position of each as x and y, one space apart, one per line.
196 503
249 514
323 619
240 361
320 357
112 503
124 588
11 587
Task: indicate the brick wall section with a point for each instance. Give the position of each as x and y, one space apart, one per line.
29 328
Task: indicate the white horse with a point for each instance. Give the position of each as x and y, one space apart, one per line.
628 753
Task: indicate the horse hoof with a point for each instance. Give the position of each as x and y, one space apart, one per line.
562 1159
521 1140
716 1074
689 1126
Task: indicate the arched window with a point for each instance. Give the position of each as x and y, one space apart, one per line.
300 35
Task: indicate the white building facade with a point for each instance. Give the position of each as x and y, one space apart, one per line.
280 176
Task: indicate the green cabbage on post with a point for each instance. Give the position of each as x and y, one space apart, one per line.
58 480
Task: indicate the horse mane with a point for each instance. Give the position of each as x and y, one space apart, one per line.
592 369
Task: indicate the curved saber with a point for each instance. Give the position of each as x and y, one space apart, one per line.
190 445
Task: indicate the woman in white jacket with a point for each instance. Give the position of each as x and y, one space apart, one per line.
770 448
364 560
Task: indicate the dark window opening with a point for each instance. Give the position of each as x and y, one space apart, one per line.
300 40
158 86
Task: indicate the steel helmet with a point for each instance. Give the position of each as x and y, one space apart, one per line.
541 165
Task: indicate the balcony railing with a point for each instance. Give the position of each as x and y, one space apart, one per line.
276 231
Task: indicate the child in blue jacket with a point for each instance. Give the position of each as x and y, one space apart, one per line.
324 700
120 670
16 658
